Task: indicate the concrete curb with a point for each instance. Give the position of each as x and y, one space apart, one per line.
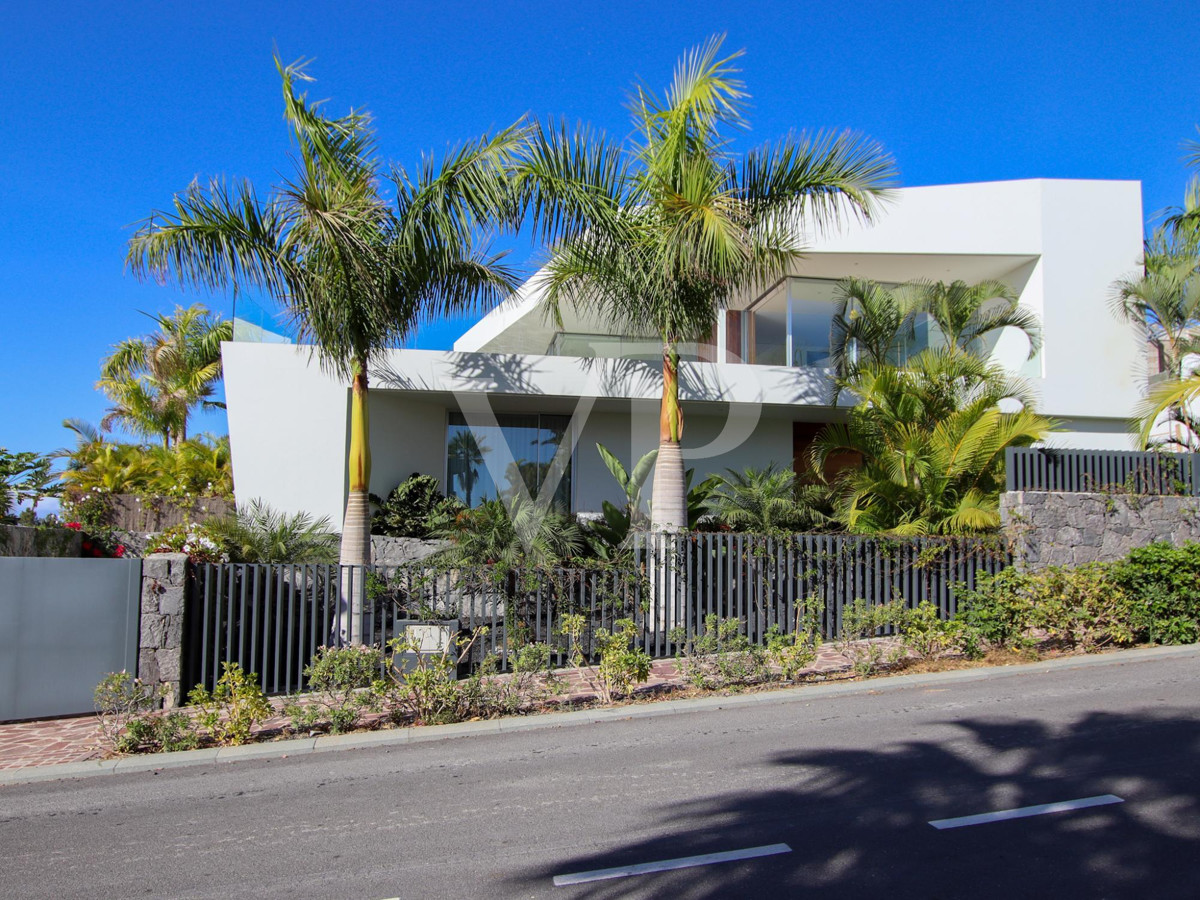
419 734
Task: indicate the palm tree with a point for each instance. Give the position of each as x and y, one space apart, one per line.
156 381
356 272
256 533
1164 301
869 323
766 501
1170 405
931 438
672 225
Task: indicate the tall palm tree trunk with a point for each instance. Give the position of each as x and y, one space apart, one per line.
669 502
356 527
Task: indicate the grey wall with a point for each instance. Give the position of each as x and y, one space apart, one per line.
1068 529
19 540
64 625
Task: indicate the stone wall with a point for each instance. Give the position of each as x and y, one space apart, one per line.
1069 529
21 540
129 512
160 635
394 551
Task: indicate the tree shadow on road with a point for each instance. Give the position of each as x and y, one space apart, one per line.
858 820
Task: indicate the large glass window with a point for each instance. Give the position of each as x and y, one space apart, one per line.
476 469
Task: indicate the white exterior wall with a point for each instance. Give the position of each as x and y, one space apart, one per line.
1061 243
287 429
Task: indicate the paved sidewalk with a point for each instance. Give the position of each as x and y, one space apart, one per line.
77 739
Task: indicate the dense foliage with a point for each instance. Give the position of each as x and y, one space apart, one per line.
930 438
410 508
1152 595
256 533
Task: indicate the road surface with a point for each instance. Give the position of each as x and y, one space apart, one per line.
849 784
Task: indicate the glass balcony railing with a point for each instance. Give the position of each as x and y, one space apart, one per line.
615 346
253 323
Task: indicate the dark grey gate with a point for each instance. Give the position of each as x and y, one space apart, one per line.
64 624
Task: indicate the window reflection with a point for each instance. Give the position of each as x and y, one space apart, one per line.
474 461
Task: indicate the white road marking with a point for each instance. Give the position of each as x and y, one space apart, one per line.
1022 812
666 865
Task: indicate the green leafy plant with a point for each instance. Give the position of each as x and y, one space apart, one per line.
345 683
925 634
119 698
621 665
858 627
256 533
613 530
159 733
426 692
792 653
409 508
235 705
1163 583
766 501
720 656
486 693
490 535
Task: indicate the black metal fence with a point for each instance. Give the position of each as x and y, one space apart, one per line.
1087 471
272 619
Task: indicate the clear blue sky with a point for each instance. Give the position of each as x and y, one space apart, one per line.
111 108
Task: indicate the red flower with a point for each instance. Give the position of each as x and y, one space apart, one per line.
120 550
74 526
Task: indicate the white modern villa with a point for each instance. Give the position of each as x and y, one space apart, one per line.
516 387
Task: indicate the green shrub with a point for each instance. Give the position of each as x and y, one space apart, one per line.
345 682
926 635
1164 582
621 664
484 695
153 733
861 621
793 653
1081 608
720 657
230 712
408 508
121 698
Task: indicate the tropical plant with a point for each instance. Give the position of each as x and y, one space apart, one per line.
24 476
931 439
1164 301
356 273
197 467
407 510
508 535
768 501
674 225
256 533
156 381
872 322
616 524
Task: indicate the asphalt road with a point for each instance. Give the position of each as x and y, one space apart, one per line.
849 783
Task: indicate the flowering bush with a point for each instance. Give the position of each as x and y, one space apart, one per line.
194 540
100 544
